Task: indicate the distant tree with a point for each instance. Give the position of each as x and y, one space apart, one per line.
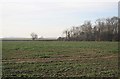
104 29
34 36
115 24
88 30
61 38
66 32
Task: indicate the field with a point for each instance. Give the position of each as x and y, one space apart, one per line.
59 59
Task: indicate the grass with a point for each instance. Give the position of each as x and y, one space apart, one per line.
60 59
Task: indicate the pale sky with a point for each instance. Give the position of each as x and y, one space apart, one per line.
49 18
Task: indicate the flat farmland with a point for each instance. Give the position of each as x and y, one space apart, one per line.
59 59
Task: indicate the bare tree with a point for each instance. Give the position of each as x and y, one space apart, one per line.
34 36
105 29
66 33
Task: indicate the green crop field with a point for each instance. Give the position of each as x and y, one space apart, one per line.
59 59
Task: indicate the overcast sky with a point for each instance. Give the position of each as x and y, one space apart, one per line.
48 18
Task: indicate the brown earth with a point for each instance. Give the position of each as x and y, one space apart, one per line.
58 58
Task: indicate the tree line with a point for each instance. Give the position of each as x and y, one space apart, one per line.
105 29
